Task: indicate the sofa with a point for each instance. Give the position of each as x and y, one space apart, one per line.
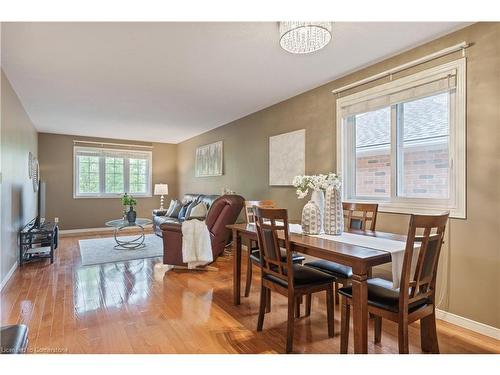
223 211
159 217
13 339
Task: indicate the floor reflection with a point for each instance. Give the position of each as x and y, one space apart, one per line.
111 285
190 300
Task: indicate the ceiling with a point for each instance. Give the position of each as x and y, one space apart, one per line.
167 82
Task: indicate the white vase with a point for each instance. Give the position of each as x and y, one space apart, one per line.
334 213
318 197
311 218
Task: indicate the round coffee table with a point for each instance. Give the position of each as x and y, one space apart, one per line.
134 243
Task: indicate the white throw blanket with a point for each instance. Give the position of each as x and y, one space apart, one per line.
196 245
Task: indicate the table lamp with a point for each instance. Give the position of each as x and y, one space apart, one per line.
161 189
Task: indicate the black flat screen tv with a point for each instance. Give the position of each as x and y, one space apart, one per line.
40 206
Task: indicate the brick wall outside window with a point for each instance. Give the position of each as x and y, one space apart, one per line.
373 175
425 173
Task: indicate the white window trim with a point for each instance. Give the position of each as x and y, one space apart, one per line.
457 203
126 172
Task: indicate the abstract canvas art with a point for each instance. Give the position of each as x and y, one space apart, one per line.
287 157
209 160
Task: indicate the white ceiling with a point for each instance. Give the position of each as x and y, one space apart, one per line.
167 82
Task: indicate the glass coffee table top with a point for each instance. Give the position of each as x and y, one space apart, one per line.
129 243
120 223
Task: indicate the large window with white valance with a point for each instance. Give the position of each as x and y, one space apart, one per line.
402 144
102 173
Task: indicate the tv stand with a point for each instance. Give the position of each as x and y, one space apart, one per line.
38 242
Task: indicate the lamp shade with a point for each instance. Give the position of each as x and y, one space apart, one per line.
161 189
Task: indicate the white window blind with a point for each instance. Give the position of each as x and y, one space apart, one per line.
431 85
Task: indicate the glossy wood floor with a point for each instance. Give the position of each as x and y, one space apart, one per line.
135 307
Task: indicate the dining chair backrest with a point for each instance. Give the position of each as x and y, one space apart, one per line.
358 214
428 231
270 223
249 208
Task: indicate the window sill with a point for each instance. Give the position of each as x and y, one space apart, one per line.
109 196
413 208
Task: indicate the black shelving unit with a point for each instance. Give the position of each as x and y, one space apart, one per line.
38 242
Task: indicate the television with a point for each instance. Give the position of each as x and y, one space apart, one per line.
40 206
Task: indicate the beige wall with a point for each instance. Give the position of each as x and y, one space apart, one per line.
470 276
56 169
18 200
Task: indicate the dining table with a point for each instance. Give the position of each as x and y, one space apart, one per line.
361 259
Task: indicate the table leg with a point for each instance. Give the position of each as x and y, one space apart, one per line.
236 267
360 312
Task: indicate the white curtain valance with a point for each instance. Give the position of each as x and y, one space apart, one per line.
440 83
87 152
112 153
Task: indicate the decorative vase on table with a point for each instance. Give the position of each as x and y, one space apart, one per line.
334 213
318 197
131 215
311 218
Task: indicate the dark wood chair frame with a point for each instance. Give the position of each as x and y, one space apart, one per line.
271 264
252 245
368 212
421 287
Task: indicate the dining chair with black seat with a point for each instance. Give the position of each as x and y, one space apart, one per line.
286 277
415 299
356 216
253 255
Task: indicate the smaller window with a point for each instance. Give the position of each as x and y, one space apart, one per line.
423 147
373 153
138 176
102 173
88 175
114 175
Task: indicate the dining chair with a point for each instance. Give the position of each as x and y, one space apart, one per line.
253 255
356 216
415 299
284 276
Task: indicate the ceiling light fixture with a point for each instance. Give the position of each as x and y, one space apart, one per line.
304 37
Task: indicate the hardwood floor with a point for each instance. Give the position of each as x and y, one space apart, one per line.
135 307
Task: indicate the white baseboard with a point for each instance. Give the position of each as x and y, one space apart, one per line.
85 230
75 232
8 276
460 321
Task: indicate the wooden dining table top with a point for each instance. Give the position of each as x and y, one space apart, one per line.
330 249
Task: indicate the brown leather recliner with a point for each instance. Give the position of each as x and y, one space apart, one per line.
224 211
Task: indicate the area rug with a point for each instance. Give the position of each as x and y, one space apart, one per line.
102 250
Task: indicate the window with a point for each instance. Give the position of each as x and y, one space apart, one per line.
138 176
101 173
402 144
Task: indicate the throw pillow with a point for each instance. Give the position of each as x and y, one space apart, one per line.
176 209
182 212
171 207
189 208
198 212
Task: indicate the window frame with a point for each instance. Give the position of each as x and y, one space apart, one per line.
456 204
102 172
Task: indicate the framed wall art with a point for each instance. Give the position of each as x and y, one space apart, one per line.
287 157
209 160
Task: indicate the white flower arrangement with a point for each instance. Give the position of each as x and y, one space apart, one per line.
315 182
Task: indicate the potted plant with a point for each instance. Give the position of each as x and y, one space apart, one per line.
130 201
